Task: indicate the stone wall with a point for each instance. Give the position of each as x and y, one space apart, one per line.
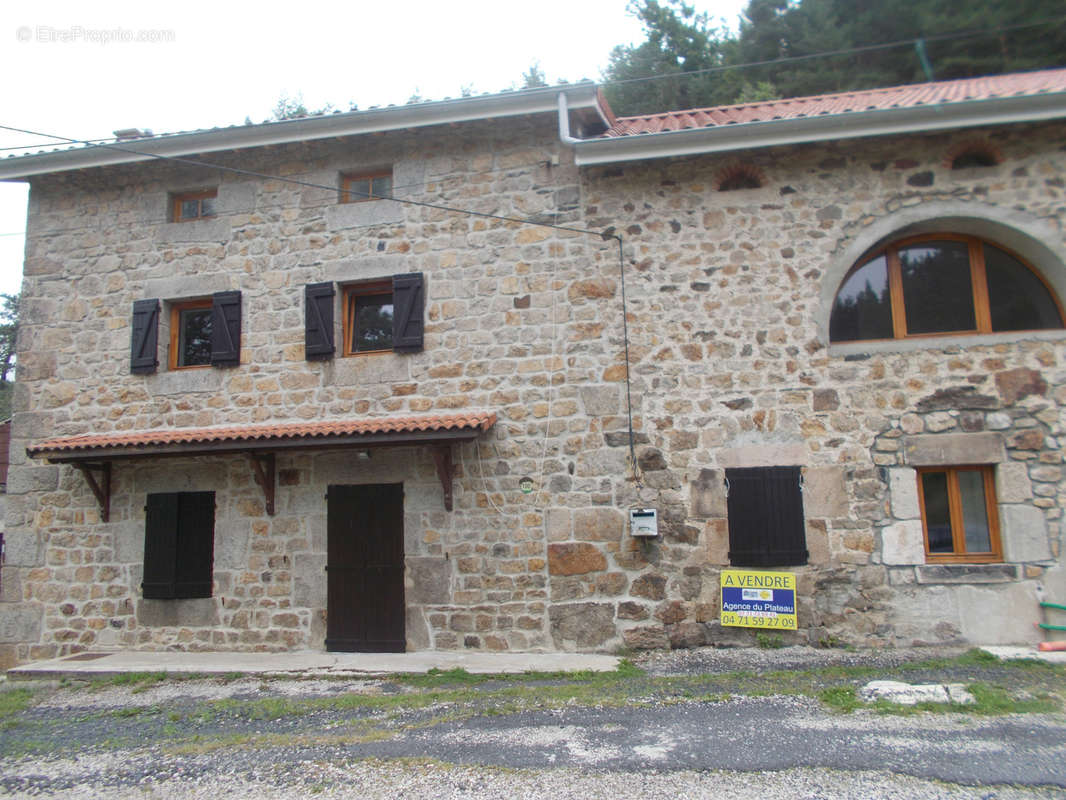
730 294
727 313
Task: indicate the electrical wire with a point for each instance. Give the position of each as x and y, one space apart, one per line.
604 235
481 470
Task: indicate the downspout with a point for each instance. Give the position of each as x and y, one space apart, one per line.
567 139
564 122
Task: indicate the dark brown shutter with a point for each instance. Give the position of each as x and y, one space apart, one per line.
766 526
226 329
408 299
144 337
318 320
194 567
160 545
179 545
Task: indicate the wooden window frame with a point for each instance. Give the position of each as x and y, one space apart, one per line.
175 330
349 293
978 284
183 197
348 179
958 534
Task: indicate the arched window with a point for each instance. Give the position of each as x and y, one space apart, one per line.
940 284
739 176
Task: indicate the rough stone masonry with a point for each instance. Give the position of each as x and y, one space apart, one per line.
727 304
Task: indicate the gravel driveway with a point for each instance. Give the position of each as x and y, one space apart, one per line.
700 723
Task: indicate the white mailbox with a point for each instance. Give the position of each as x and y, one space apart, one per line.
643 522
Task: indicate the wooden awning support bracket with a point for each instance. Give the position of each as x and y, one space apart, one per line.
101 486
442 457
264 473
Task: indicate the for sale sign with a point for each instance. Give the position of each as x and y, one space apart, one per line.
759 599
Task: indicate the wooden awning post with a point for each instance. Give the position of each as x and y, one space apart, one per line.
263 471
442 457
102 487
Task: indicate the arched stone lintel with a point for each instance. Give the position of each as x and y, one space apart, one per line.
1037 240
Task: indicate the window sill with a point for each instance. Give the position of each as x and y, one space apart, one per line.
966 573
955 341
365 353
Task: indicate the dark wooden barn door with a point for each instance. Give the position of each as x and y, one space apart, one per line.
364 593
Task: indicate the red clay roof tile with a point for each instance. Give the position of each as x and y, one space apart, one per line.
986 88
474 420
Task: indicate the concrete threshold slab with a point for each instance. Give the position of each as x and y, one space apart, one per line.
317 664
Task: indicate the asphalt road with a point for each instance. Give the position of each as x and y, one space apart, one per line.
768 733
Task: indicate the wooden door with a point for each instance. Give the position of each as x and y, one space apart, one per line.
364 593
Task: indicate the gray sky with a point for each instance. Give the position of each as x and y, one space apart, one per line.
83 70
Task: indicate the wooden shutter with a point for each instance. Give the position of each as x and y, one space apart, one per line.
144 337
318 320
766 526
179 545
226 329
408 299
160 545
195 557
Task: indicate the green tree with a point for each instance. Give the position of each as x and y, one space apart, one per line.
685 62
679 41
294 108
9 324
533 78
937 40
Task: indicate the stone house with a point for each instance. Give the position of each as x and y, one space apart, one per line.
394 379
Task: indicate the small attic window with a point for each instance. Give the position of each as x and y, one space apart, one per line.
362 187
974 153
191 206
740 176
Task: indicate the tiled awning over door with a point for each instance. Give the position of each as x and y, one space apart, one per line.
94 453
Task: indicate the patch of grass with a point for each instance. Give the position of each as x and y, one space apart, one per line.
977 656
442 677
134 711
202 745
138 681
995 700
769 641
14 701
989 701
460 677
841 698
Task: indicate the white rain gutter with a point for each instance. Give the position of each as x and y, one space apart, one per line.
828 127
352 123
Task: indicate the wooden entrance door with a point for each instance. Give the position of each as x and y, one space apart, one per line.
364 592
